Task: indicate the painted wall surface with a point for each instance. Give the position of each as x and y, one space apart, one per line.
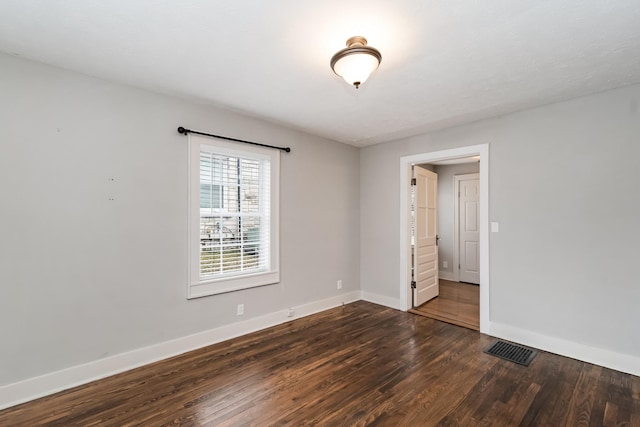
83 277
446 198
563 186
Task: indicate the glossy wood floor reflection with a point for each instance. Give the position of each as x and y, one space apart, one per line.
361 364
458 303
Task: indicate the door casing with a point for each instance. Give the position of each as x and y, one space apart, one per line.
406 162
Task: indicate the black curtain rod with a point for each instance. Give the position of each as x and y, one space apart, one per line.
185 131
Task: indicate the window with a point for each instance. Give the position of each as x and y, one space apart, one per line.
233 216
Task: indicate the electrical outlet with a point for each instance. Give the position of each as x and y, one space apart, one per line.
291 312
339 284
240 309
445 264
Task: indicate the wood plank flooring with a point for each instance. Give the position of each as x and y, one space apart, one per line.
361 364
458 303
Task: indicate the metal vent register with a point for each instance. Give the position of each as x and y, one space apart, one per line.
514 353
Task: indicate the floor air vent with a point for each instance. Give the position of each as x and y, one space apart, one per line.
511 352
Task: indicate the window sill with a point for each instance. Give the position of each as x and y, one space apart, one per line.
232 284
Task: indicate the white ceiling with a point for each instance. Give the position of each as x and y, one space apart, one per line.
443 62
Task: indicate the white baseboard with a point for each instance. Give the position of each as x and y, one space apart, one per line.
609 359
446 275
33 388
381 300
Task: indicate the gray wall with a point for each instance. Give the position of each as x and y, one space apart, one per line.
82 278
563 185
446 200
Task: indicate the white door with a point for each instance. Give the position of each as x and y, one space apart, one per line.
425 257
469 223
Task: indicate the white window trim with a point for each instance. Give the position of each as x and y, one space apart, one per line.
196 287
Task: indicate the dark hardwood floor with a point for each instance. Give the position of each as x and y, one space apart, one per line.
361 364
458 303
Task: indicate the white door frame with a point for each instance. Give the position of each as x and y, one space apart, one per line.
406 162
456 222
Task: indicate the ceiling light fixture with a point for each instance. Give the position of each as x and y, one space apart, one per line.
356 62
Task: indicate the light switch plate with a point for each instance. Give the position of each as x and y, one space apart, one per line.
495 227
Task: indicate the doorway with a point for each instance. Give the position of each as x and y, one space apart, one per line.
455 198
406 164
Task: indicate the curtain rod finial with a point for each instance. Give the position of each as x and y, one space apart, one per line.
182 130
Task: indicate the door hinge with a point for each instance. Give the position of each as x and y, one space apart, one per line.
413 181
413 285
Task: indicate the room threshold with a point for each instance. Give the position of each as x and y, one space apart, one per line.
458 304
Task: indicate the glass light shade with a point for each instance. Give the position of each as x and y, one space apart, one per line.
356 67
356 62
